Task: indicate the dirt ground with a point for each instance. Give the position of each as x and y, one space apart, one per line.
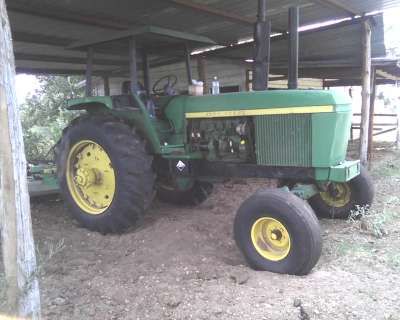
183 264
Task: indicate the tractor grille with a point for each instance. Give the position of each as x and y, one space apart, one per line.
284 140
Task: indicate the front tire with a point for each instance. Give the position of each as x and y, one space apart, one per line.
104 173
341 198
278 232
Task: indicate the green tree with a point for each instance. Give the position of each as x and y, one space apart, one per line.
44 115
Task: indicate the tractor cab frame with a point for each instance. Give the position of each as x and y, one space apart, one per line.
166 46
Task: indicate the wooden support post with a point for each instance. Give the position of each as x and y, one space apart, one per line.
133 74
106 81
249 84
293 68
202 72
19 257
146 72
89 72
188 65
371 114
398 131
366 88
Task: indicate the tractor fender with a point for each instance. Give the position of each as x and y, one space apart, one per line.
90 103
139 119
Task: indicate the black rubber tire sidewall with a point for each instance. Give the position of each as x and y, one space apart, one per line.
299 220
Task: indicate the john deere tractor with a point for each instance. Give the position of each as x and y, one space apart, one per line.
124 149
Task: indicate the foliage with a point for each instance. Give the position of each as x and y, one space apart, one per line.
375 222
44 115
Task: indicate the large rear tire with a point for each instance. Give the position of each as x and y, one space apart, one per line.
341 198
104 173
278 232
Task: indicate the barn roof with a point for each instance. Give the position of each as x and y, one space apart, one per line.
330 52
43 30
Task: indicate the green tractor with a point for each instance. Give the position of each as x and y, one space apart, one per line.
113 159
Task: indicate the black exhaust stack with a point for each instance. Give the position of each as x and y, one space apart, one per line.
262 34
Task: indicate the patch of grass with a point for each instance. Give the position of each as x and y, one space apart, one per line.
45 255
388 168
393 261
372 221
355 248
378 224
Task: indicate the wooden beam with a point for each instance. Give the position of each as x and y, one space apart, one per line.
60 13
188 65
366 91
228 16
353 82
72 60
335 4
116 72
18 248
36 38
146 72
106 81
61 72
214 12
133 73
113 72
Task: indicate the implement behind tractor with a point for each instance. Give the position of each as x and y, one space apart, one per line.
114 158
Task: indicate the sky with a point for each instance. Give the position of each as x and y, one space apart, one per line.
27 84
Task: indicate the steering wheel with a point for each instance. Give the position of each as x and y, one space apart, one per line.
165 85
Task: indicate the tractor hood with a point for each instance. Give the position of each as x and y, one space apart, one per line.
264 103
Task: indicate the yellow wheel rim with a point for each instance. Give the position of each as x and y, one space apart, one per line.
270 238
90 177
338 196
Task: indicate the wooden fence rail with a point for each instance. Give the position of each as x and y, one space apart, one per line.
380 126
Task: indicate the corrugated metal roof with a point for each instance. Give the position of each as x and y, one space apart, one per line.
330 47
56 24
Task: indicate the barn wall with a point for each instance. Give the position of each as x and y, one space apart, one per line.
229 74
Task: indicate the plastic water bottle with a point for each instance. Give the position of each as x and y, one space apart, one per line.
215 86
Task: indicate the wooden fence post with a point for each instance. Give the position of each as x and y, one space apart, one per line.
366 91
371 114
15 220
398 131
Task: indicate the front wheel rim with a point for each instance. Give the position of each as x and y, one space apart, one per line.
337 196
270 238
90 177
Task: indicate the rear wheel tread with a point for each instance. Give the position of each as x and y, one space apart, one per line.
135 180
